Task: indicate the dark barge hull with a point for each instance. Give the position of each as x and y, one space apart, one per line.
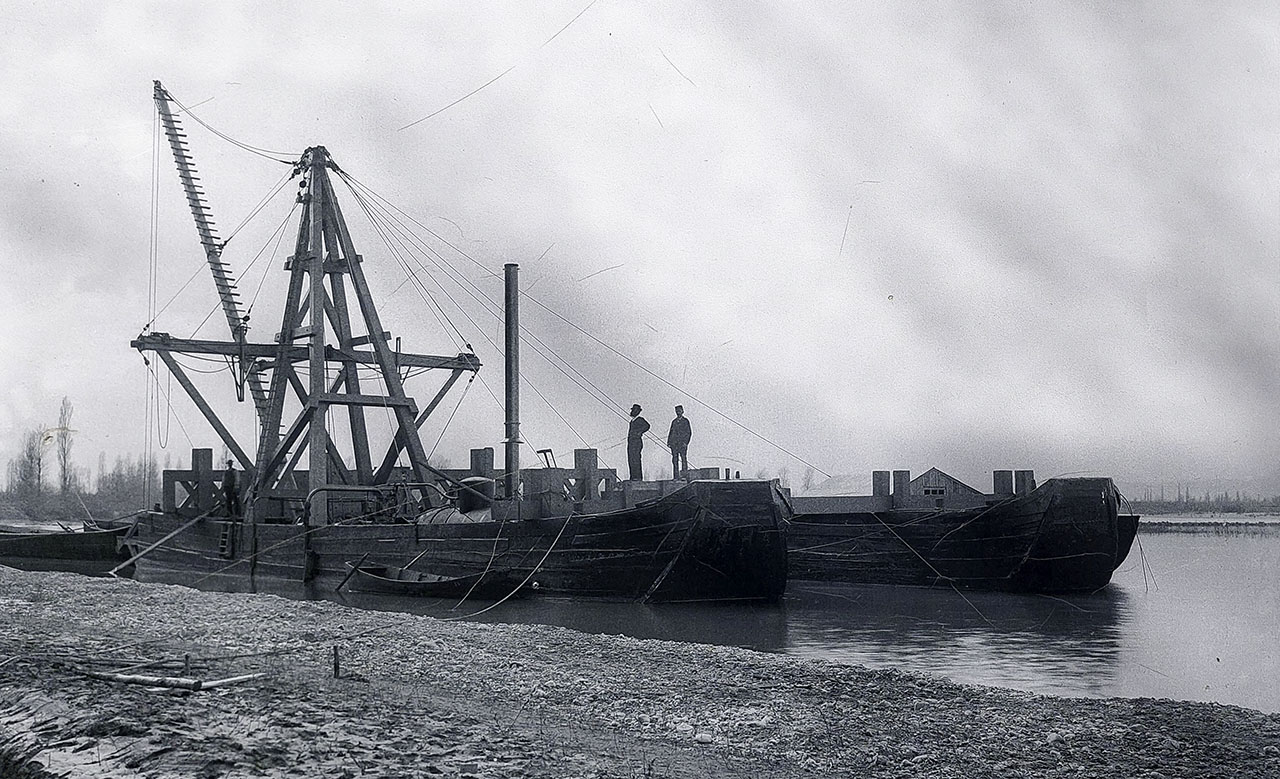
711 540
1065 536
90 552
1084 539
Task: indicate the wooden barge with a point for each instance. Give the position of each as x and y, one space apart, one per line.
1067 535
91 552
706 540
566 532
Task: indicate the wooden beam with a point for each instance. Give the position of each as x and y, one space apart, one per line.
162 342
273 462
335 457
317 462
269 435
385 359
355 414
361 340
349 399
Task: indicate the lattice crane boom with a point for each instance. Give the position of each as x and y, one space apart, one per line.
223 280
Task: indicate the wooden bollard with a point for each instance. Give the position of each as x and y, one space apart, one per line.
335 661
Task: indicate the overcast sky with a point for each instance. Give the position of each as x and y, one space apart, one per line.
880 235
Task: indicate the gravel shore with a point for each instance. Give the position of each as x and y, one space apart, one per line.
419 696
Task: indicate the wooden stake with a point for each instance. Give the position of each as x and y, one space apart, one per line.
335 661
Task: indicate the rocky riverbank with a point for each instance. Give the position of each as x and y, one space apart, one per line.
419 696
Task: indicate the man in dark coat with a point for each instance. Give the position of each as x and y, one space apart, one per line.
230 497
635 442
678 442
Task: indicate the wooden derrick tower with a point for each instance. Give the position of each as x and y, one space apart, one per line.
316 357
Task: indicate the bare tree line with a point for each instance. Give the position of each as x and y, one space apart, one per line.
69 492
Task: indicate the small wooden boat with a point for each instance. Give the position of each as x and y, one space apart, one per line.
390 580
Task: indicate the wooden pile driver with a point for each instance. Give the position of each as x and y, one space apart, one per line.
317 331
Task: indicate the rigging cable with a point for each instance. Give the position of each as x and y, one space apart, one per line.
436 310
445 427
540 347
277 236
441 317
204 262
271 155
500 75
493 307
152 285
285 179
182 427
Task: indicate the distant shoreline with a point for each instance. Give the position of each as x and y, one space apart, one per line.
1243 525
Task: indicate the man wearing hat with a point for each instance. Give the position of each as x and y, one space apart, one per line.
635 442
230 497
678 442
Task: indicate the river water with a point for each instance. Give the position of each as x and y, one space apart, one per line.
1191 616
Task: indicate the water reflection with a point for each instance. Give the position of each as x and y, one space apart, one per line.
1047 644
1068 645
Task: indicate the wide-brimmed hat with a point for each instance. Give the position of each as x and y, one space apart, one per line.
635 409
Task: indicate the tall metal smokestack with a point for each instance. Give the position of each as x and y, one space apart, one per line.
513 378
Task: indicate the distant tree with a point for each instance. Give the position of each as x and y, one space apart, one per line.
29 474
129 484
784 476
66 472
806 483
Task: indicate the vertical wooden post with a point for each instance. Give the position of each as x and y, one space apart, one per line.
513 378
202 466
586 467
318 440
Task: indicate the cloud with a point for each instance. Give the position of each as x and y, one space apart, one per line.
879 235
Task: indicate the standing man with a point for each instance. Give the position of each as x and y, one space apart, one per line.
678 442
635 442
230 497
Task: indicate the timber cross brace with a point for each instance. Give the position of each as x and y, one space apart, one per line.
317 332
